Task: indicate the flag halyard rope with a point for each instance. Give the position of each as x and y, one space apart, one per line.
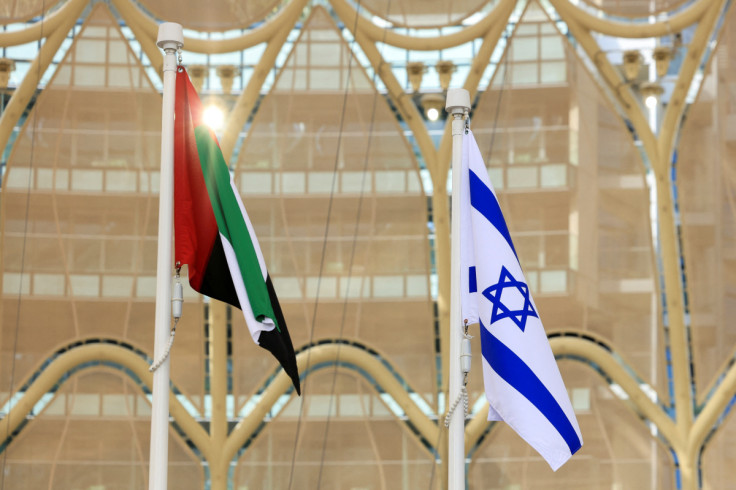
177 300
463 396
323 257
465 360
353 247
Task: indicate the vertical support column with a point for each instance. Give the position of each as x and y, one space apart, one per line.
458 104
218 392
170 39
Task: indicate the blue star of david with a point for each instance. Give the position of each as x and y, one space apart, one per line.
500 311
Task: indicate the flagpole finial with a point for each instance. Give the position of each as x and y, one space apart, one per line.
458 101
170 36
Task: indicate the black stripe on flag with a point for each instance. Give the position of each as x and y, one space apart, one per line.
217 282
278 342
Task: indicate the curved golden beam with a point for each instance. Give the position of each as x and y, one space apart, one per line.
632 109
409 112
77 356
611 368
440 199
620 90
676 105
43 28
721 396
401 99
148 44
712 410
722 372
26 89
478 67
248 97
659 150
674 24
375 33
319 354
670 252
413 119
209 46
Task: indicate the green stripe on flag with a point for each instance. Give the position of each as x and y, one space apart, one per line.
231 223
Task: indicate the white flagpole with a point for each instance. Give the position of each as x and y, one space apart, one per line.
170 39
458 105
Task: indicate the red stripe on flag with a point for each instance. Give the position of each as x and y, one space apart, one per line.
195 226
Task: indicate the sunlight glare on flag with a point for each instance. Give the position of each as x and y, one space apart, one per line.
213 117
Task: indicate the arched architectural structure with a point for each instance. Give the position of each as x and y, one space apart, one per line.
620 199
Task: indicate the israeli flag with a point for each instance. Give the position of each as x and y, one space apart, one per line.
522 381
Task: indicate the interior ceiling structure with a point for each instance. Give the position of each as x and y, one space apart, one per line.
22 10
377 210
633 8
623 221
220 15
425 14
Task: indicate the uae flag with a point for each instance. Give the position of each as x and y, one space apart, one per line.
214 235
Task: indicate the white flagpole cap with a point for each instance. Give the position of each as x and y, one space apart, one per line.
170 35
458 101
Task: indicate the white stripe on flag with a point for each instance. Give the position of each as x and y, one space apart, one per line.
254 325
251 232
530 424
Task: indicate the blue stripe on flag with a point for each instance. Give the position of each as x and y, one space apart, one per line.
472 280
483 200
515 372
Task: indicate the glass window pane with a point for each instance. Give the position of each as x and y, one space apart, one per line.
552 48
554 175
525 49
553 281
524 74
496 176
522 177
255 182
554 72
